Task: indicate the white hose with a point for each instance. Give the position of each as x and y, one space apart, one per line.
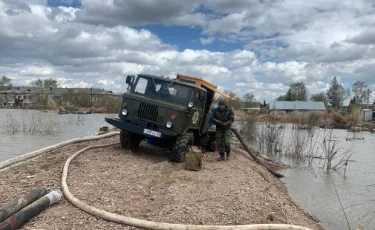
36 153
151 224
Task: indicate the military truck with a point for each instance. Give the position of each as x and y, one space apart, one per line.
169 113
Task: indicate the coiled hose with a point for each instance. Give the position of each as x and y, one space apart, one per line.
146 224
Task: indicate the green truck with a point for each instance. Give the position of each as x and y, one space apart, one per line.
169 113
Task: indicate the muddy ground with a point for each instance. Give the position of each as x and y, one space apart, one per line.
145 185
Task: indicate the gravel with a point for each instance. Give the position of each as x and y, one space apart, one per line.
144 184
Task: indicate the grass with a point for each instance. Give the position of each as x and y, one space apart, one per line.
31 122
304 139
249 126
308 120
269 136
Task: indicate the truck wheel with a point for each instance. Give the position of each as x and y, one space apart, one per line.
129 140
181 146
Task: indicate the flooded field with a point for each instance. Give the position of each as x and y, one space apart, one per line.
319 191
314 188
23 131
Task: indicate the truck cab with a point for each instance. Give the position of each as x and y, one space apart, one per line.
167 112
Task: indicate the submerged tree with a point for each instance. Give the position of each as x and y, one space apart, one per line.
337 94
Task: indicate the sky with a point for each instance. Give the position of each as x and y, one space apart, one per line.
248 46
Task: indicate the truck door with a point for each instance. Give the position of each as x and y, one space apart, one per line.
197 112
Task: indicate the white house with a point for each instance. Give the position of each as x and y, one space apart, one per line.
366 114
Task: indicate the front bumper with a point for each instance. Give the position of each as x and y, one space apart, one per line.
138 129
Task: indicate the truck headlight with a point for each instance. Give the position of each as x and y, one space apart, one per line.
124 112
169 124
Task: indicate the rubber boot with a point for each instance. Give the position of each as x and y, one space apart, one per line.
221 158
228 155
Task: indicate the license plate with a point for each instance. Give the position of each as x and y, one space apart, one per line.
152 133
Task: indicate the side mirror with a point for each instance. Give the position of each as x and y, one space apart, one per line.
129 79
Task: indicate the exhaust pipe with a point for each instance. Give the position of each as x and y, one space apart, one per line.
21 202
30 211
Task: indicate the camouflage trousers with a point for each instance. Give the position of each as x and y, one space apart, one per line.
223 140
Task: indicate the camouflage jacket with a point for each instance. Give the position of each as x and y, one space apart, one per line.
223 118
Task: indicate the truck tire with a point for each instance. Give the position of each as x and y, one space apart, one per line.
129 140
181 146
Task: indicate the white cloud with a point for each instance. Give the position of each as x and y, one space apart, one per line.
37 71
206 41
284 41
135 12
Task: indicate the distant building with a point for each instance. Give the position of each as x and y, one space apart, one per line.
360 106
24 96
251 106
366 114
283 107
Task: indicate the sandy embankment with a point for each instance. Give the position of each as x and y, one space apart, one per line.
145 185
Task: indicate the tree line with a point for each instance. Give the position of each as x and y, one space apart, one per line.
46 83
336 94
297 91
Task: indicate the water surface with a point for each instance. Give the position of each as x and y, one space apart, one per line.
67 126
313 188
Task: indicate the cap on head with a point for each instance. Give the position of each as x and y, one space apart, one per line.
222 103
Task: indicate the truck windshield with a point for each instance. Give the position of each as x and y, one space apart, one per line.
162 89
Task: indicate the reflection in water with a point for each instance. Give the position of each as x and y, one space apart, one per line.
67 126
313 187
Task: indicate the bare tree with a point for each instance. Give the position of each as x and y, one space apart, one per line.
333 150
249 97
367 95
37 83
270 136
361 92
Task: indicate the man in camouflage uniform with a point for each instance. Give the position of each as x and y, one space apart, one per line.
223 117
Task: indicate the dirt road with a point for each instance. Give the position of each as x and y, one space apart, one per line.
145 185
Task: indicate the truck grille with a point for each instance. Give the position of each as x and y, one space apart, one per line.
148 112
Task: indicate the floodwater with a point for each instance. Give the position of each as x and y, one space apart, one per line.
317 191
35 129
320 192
